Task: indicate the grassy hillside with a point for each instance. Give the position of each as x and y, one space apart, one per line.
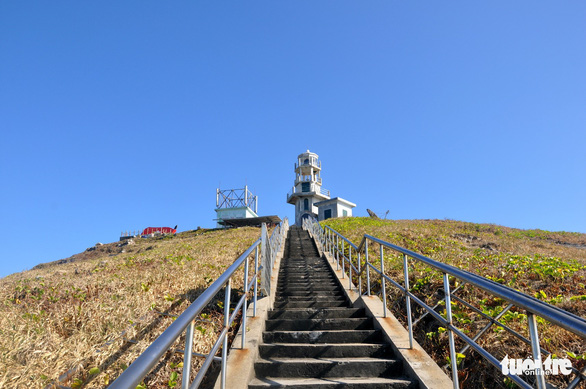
547 265
89 316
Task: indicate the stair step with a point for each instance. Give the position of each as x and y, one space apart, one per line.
316 297
306 288
319 324
325 350
309 284
308 281
311 304
289 292
316 313
309 292
313 337
327 367
331 383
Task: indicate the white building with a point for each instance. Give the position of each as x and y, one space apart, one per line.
336 207
307 188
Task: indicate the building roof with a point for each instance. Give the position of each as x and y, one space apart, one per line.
307 153
335 200
250 221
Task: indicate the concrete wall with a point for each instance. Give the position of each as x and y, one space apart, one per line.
322 211
342 208
300 210
234 213
336 208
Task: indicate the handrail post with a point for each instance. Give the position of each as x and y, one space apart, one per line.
226 324
536 350
359 273
256 275
367 268
408 301
332 245
350 266
453 356
266 270
244 303
337 253
187 356
383 280
343 260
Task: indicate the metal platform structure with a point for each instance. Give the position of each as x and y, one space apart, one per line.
236 198
235 204
251 221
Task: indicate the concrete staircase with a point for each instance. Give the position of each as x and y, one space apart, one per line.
314 338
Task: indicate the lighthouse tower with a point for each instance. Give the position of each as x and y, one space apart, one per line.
307 190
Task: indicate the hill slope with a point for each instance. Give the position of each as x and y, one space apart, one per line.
92 314
547 265
89 316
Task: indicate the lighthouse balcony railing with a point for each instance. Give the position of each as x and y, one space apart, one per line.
311 189
313 163
301 179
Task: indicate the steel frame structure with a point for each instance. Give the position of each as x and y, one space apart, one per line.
236 198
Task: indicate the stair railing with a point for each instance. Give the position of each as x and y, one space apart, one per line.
273 245
185 323
338 245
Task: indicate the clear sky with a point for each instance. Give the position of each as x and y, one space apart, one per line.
118 115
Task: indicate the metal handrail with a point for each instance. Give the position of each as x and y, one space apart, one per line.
333 242
133 375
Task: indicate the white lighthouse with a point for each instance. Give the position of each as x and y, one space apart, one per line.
307 190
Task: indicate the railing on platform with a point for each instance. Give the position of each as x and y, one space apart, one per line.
343 251
312 161
269 247
313 188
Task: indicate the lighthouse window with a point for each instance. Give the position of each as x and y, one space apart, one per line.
327 213
305 187
305 204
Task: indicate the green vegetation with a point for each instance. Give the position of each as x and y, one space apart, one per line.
547 265
92 317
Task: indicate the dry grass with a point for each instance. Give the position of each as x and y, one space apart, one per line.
547 265
92 317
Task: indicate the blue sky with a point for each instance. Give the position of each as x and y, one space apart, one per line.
121 115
